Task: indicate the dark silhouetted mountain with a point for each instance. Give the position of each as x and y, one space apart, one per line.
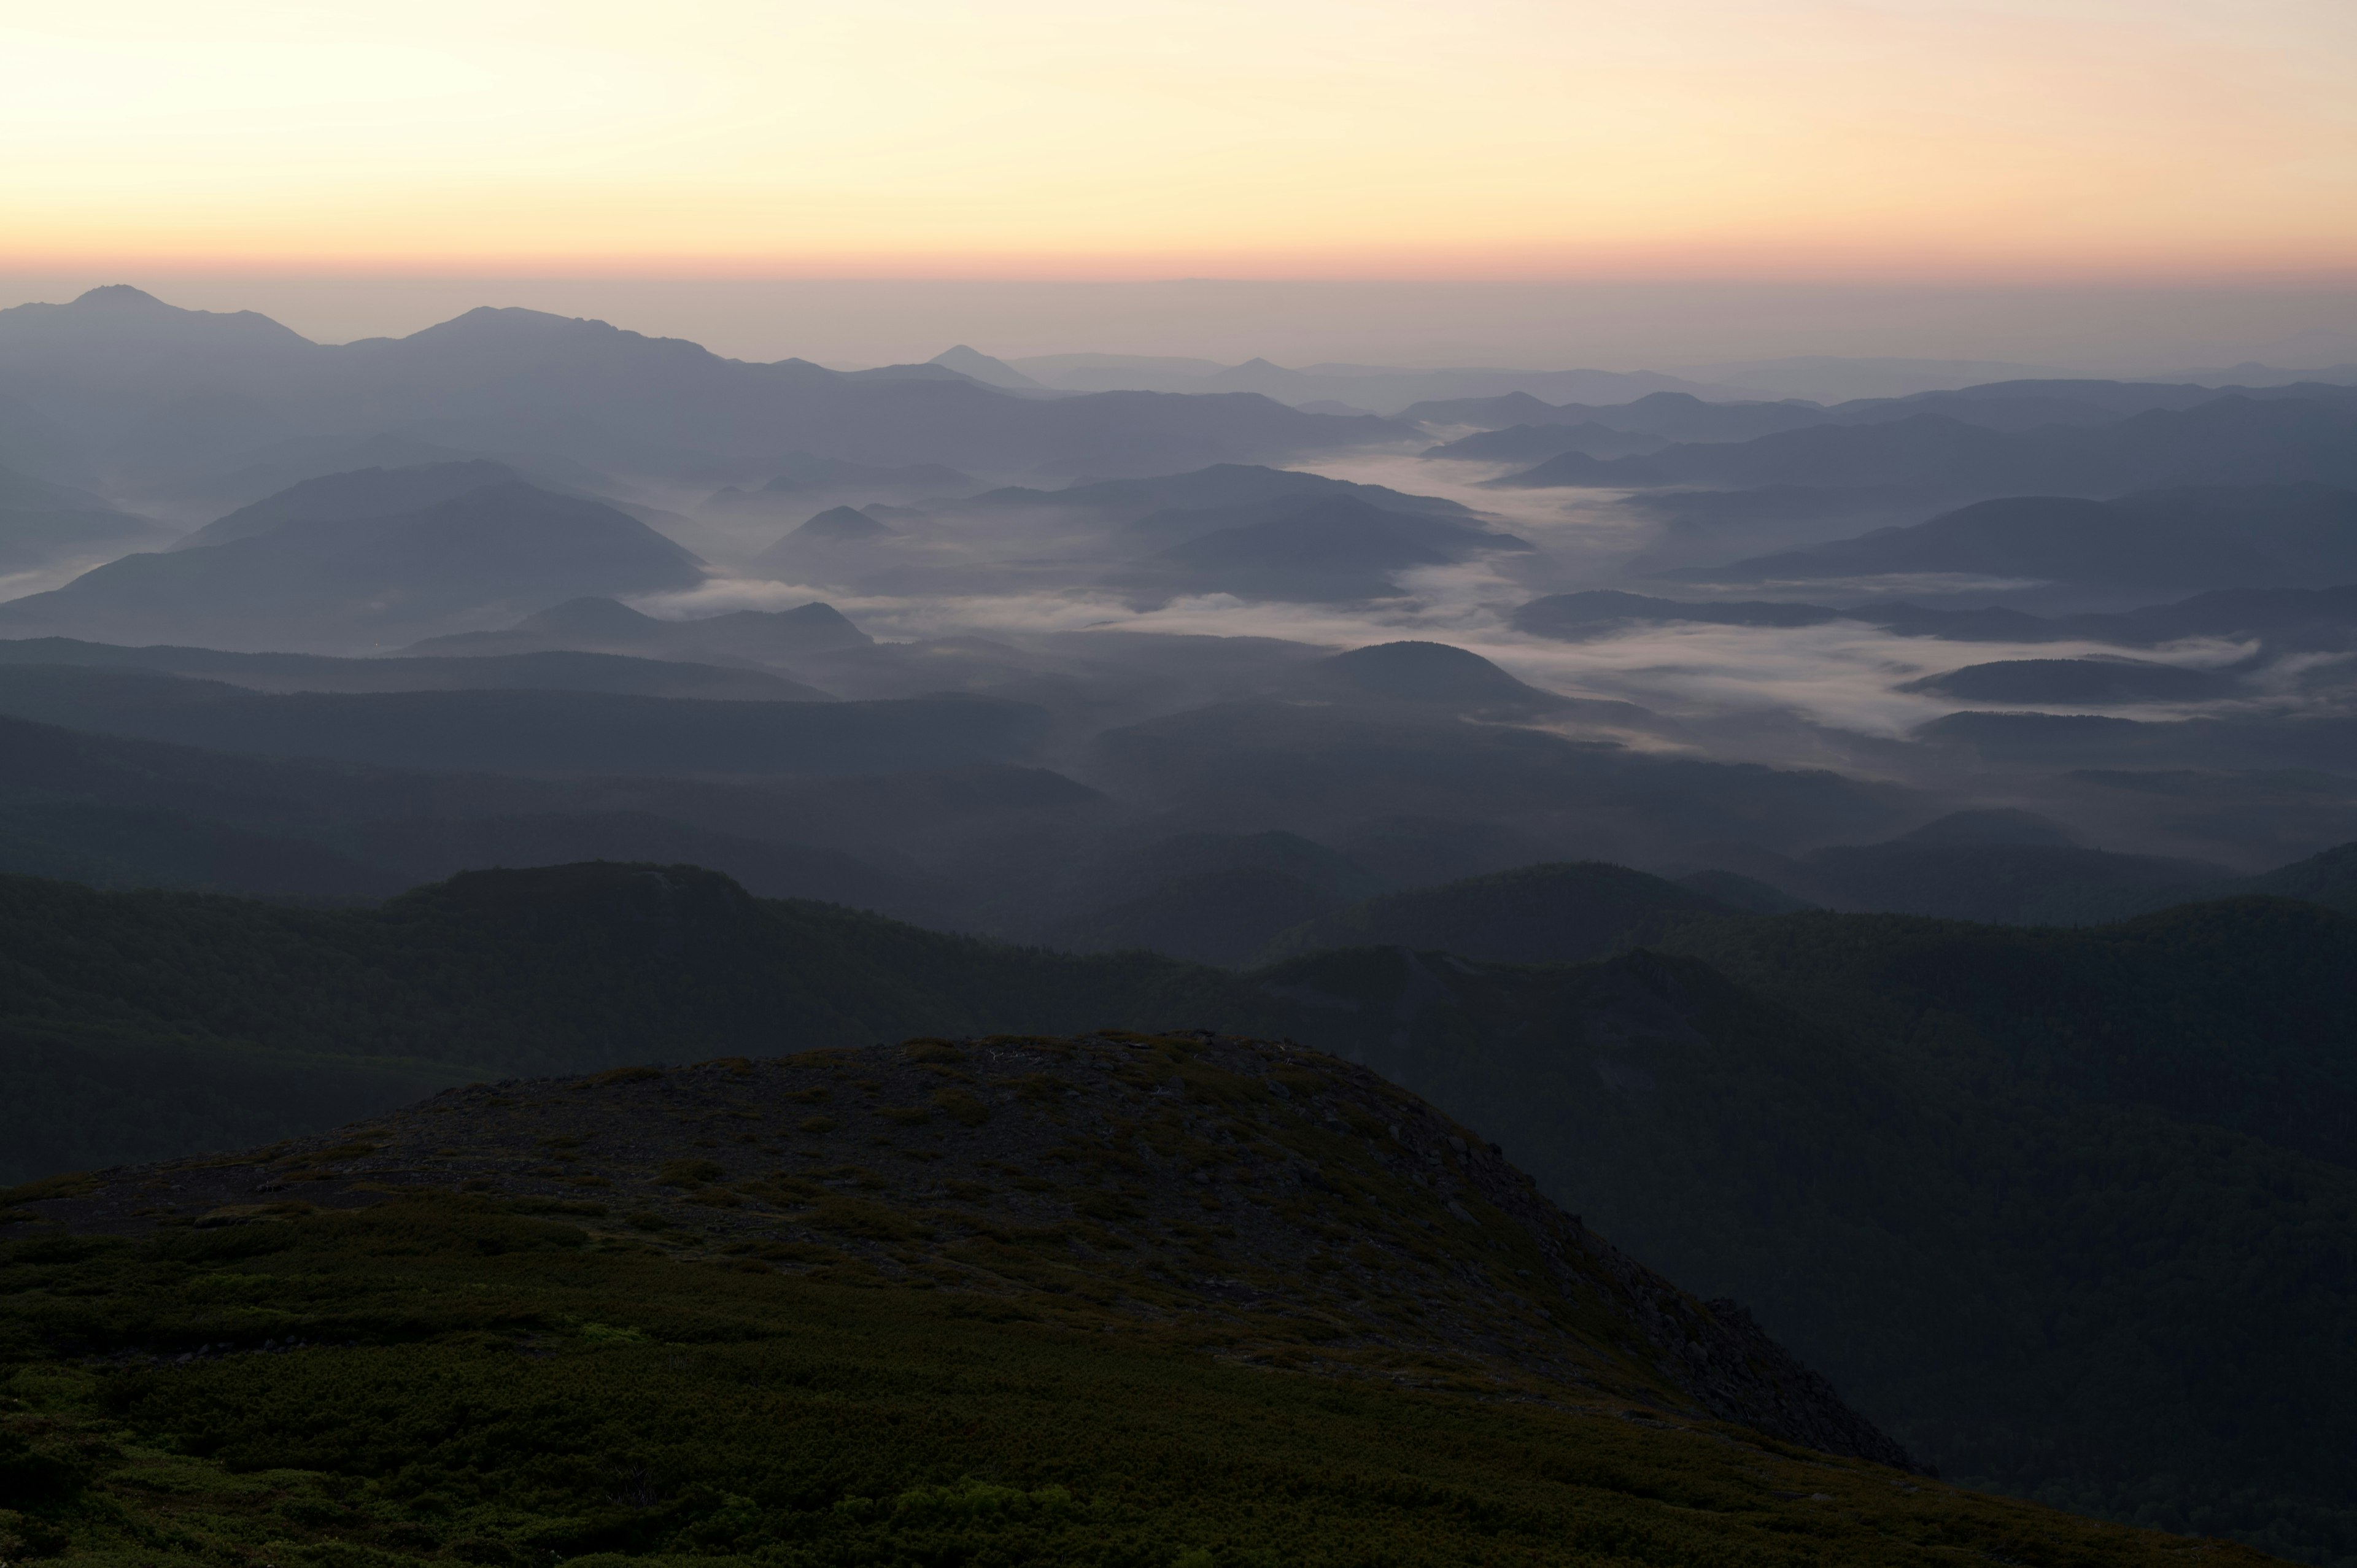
1340 549
2237 536
118 812
1206 898
2025 885
2297 620
1211 917
118 846
1429 672
530 732
552 672
2100 682
2004 867
2325 740
1425 850
1999 824
1601 612
760 637
363 582
1539 914
2282 619
1309 767
2329 879
1749 893
428 849
2226 441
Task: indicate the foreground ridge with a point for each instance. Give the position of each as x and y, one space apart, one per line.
1271 1204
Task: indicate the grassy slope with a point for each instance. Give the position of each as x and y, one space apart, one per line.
1981 1223
467 1384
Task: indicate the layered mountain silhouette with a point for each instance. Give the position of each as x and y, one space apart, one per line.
530 732
2289 535
535 672
1208 490
1338 549
42 523
593 624
182 396
2227 440
365 560
2096 681
2282 619
831 536
1537 914
112 812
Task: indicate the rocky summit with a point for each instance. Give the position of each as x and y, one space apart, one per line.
1266 1203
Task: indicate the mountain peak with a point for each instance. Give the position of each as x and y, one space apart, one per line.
118 297
981 367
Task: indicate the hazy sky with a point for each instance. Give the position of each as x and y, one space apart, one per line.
1983 140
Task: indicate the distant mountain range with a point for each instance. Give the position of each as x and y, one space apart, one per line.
171 401
372 559
2218 536
1376 389
2225 440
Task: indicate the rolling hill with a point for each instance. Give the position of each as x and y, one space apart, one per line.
1948 1162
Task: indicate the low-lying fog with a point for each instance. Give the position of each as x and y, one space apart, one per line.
1008 576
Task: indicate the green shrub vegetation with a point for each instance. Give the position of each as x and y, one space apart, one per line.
2072 1213
501 1389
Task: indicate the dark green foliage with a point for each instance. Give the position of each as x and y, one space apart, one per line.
519 1406
2070 1211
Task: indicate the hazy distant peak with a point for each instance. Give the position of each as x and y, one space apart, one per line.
967 361
1994 825
117 313
1426 671
348 497
120 296
840 523
593 617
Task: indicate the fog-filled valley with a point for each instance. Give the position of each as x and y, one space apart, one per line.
1890 862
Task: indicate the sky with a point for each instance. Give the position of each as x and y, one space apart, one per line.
1985 141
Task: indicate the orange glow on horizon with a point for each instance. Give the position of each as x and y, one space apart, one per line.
2006 140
